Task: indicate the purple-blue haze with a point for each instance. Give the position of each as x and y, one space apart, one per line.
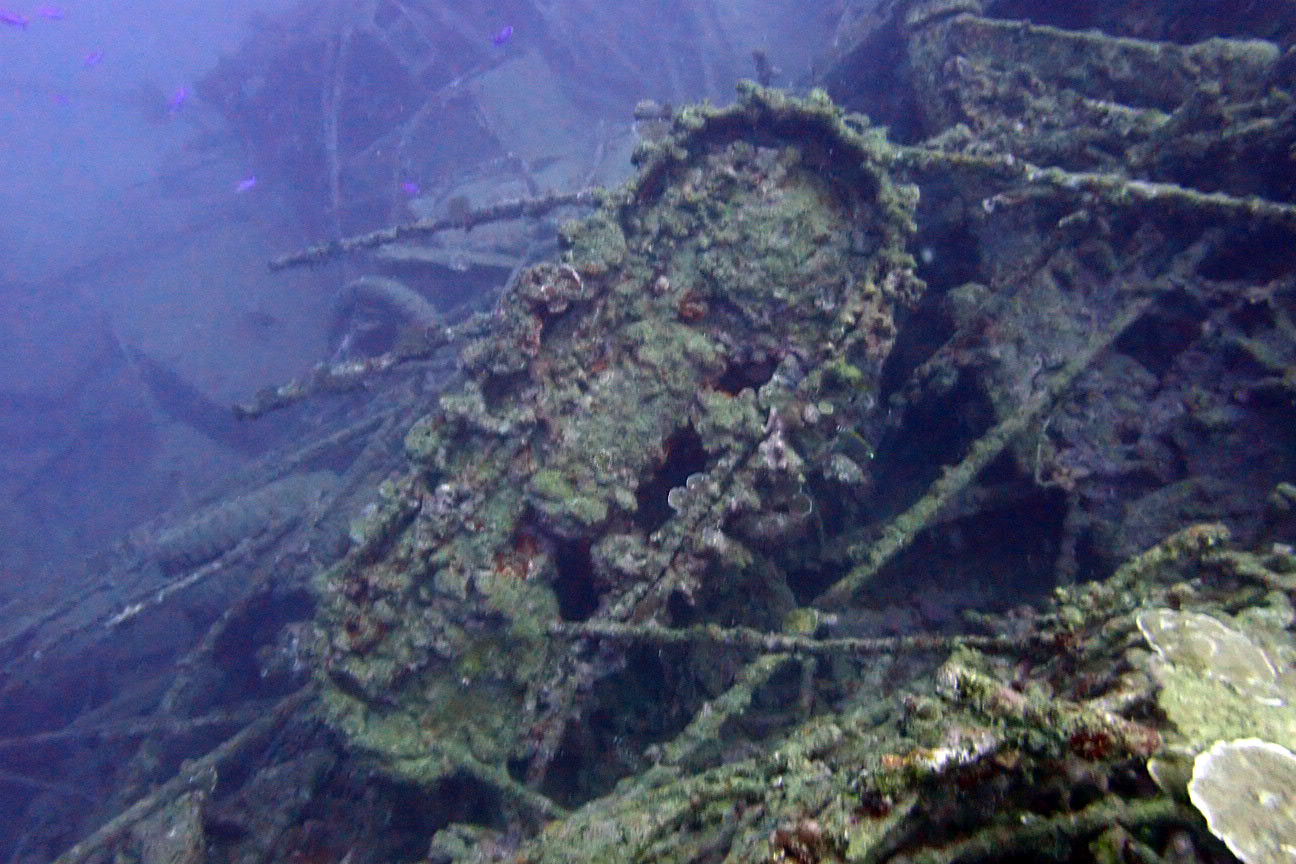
148 171
133 216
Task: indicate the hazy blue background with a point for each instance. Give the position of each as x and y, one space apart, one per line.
121 228
75 140
115 229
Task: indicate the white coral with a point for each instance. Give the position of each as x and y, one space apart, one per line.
1216 682
1246 789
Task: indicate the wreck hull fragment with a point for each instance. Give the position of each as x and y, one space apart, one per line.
658 421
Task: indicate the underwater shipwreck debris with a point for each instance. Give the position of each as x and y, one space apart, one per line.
534 510
412 343
184 403
393 298
647 438
623 597
370 309
517 209
265 512
699 319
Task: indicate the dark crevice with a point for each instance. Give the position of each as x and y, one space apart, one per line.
684 456
680 611
624 718
741 374
1250 255
574 584
1158 338
932 432
498 389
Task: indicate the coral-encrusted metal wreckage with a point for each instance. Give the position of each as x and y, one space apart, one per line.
833 494
657 426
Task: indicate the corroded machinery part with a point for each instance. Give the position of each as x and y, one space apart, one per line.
396 301
667 417
268 511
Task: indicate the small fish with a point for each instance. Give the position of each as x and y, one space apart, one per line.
411 188
502 37
245 184
14 19
92 59
51 13
177 99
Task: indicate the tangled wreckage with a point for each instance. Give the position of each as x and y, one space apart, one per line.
829 496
